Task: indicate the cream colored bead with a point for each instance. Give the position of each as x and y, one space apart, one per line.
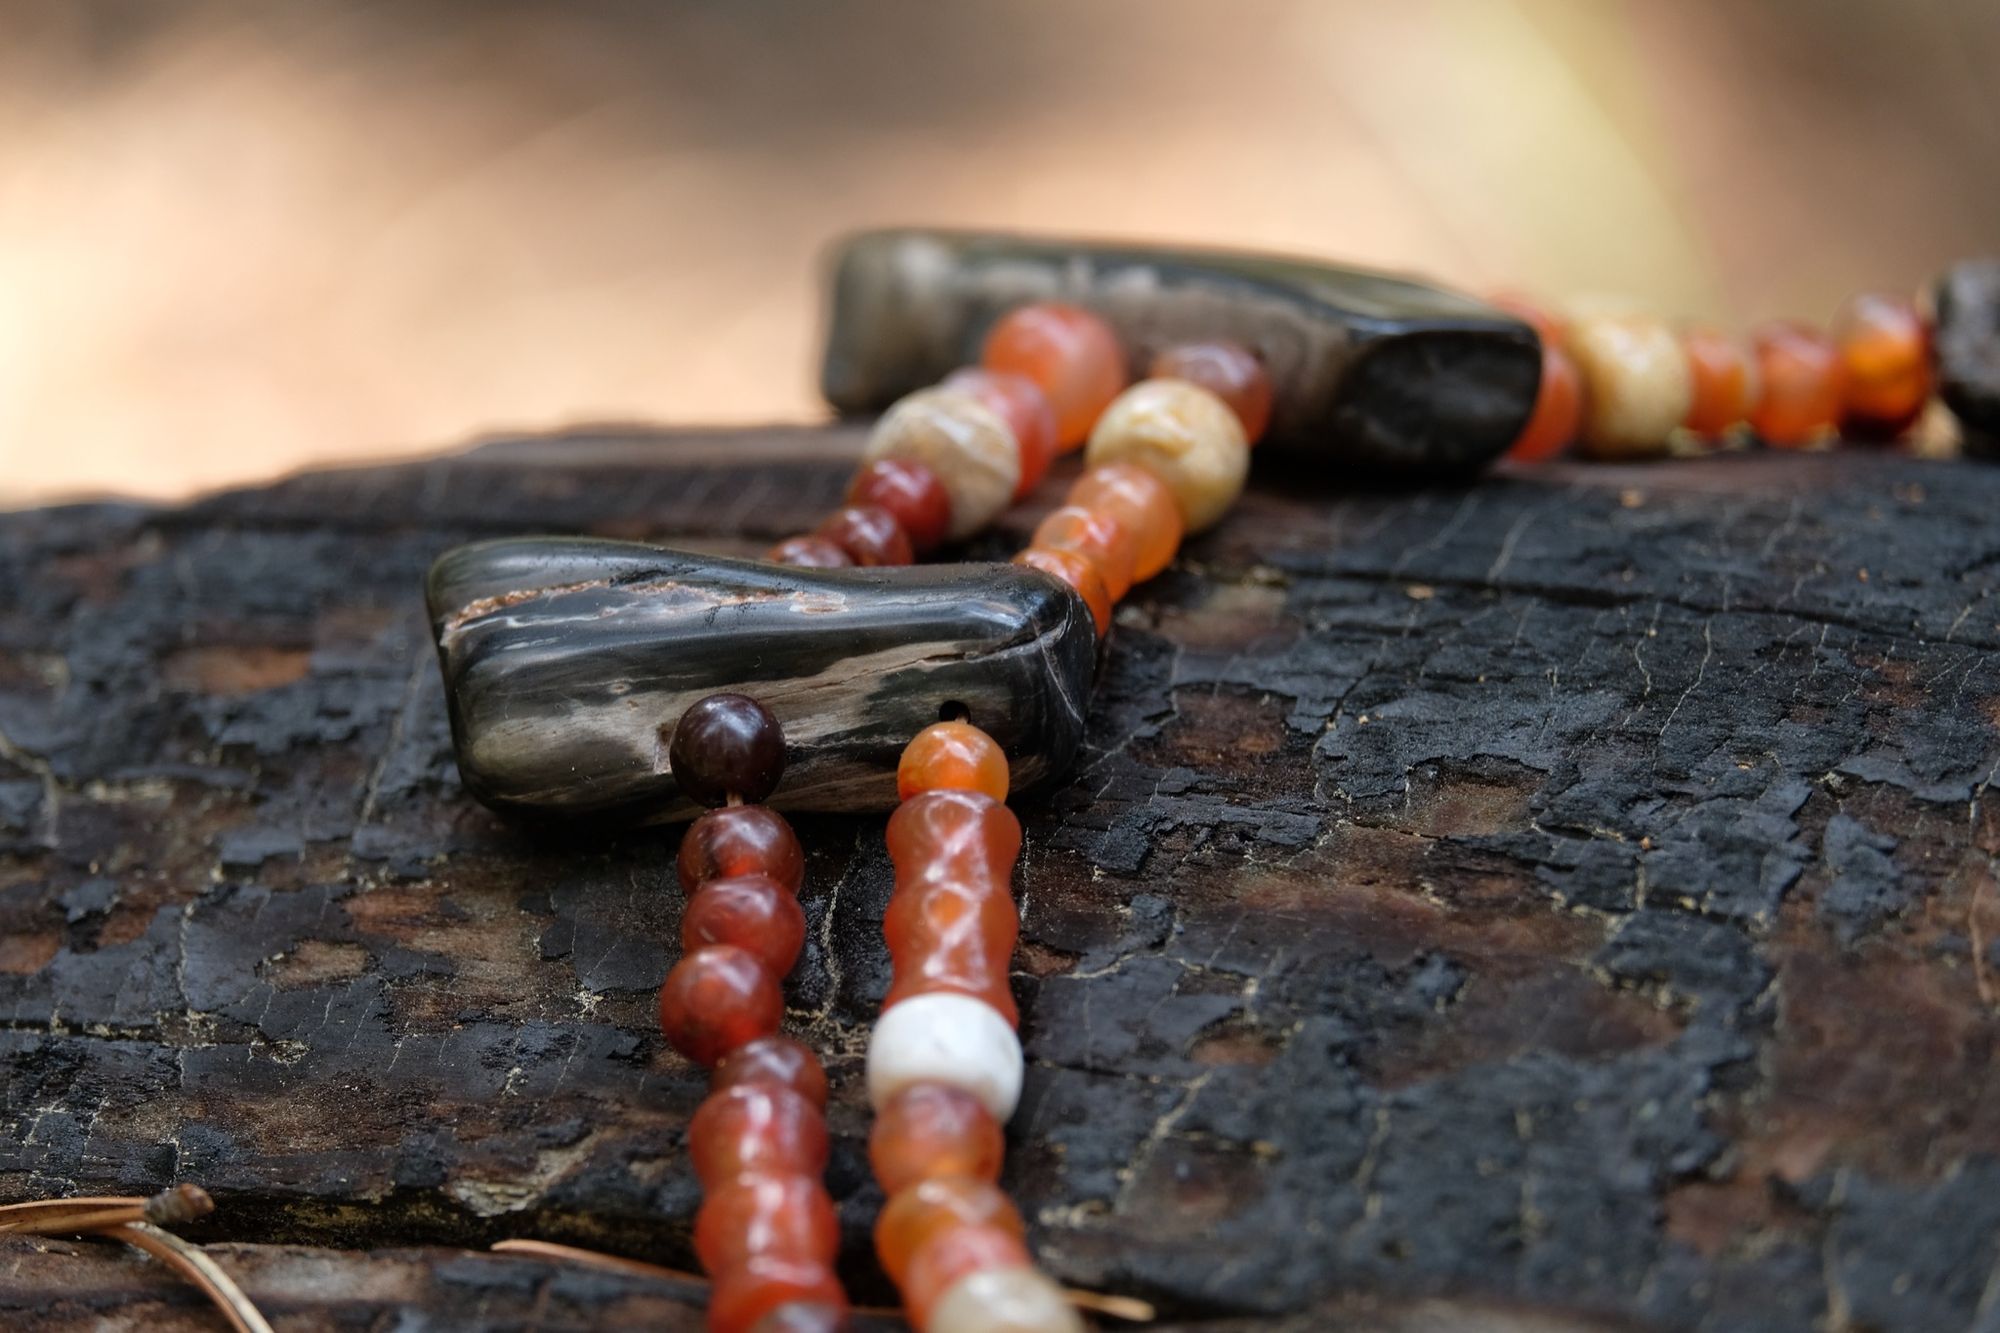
962 440
944 1037
1182 434
1003 1300
1636 384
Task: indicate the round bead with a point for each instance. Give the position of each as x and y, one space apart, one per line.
756 1127
727 745
1142 502
951 1256
778 1061
1004 1300
803 1317
1228 370
946 1038
1186 436
1722 382
752 912
954 756
1636 386
1080 573
964 442
952 937
1068 353
1801 392
740 840
751 1291
1099 537
910 491
809 552
1025 409
716 999
914 1215
1548 326
869 534
931 1130
1557 413
784 1215
1885 359
956 836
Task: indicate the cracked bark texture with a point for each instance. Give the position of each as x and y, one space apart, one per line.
1560 903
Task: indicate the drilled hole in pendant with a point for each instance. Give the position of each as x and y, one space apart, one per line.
951 710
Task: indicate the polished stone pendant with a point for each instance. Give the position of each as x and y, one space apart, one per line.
1371 372
567 663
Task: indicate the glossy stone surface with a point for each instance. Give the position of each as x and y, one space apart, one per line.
1141 501
1885 363
913 1215
1184 435
930 1130
1099 537
911 492
966 443
1965 335
952 756
1021 403
725 747
869 534
1367 370
755 1127
1800 385
778 1061
1067 352
716 999
740 840
1722 382
563 658
752 912
1228 370
1636 385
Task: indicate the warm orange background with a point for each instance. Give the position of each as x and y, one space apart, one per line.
238 238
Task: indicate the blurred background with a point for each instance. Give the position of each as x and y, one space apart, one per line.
237 239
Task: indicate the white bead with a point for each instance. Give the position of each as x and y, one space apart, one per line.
946 1038
1636 384
1003 1300
1182 434
964 441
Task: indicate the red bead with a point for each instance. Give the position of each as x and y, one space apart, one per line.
809 552
954 835
724 746
952 1254
783 1215
914 1216
1557 413
910 491
929 1130
1069 353
716 999
1019 402
869 534
1228 370
756 1127
1800 385
952 935
741 840
758 1287
778 1061
752 912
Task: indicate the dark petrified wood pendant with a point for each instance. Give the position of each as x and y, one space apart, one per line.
1370 371
567 663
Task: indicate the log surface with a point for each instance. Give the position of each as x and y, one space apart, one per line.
1559 903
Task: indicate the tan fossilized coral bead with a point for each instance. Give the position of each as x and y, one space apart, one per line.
964 442
1184 435
1637 386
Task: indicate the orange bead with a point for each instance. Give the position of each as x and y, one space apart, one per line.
1885 356
755 1127
783 1215
915 1215
1558 410
1080 573
1020 402
1100 537
1802 388
752 912
773 1060
952 1254
755 1288
929 1130
1067 352
964 837
1724 381
716 999
952 935
1228 370
1548 326
952 756
1143 503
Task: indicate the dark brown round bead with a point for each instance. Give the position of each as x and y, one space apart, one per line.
809 552
741 840
727 745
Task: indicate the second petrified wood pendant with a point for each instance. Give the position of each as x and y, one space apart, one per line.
567 663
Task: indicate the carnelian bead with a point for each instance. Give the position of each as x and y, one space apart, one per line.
1019 402
1068 353
1143 503
1228 370
1724 382
961 836
1557 413
752 912
954 756
716 999
1885 356
756 1127
809 552
1079 572
952 1254
781 1214
1548 326
869 534
778 1061
759 1286
909 490
931 1129
1801 385
1097 536
740 840
953 935
914 1215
